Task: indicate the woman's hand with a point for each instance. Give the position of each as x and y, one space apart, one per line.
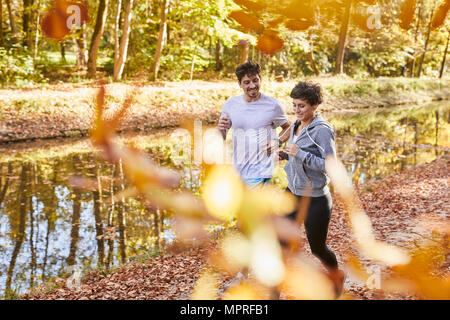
292 149
282 155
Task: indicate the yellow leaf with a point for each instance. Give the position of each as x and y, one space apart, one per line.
206 287
222 192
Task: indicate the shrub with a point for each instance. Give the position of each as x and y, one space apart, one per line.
17 68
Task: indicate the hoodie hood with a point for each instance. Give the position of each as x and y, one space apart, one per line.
318 120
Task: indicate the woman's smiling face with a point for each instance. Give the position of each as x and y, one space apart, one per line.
303 110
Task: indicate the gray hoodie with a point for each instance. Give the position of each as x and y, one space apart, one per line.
306 171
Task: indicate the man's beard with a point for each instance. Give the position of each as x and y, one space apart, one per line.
253 93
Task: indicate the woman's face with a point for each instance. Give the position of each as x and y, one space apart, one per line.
303 110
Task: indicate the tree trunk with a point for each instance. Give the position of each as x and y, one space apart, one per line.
1 22
117 32
12 22
26 22
244 52
416 33
96 37
121 55
422 58
191 76
80 42
36 38
63 52
311 55
219 64
342 39
162 32
441 71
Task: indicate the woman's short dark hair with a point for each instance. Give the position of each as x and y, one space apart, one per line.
248 68
311 92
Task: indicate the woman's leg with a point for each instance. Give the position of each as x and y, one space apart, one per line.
316 226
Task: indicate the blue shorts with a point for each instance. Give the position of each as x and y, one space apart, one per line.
253 183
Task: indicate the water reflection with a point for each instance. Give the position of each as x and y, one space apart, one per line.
46 225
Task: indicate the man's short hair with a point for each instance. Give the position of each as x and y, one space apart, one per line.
248 68
311 92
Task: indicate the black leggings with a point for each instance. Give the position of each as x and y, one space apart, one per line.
316 226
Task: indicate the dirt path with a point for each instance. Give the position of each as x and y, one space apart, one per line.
394 205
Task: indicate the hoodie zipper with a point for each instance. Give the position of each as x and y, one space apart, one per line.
293 141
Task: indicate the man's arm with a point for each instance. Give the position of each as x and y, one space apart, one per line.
286 132
283 137
223 126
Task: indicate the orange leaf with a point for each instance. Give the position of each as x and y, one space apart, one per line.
269 42
246 20
439 16
407 13
54 26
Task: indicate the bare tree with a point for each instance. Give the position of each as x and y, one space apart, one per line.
12 22
1 22
162 33
219 64
339 68
82 54
96 37
441 71
27 18
120 54
422 58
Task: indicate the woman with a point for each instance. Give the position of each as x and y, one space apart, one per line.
310 143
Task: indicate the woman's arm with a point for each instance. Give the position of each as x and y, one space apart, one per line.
326 146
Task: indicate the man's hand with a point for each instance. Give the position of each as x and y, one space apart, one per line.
292 149
271 146
223 126
224 123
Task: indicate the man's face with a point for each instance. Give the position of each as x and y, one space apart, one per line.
251 85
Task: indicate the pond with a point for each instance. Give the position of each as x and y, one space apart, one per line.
46 225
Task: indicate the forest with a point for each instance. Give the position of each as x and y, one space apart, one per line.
182 39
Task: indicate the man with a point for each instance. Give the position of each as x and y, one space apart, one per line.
254 118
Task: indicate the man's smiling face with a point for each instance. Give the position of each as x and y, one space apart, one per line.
250 85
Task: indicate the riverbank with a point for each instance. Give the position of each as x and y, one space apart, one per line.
396 206
67 110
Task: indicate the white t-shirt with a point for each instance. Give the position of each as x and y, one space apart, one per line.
253 124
